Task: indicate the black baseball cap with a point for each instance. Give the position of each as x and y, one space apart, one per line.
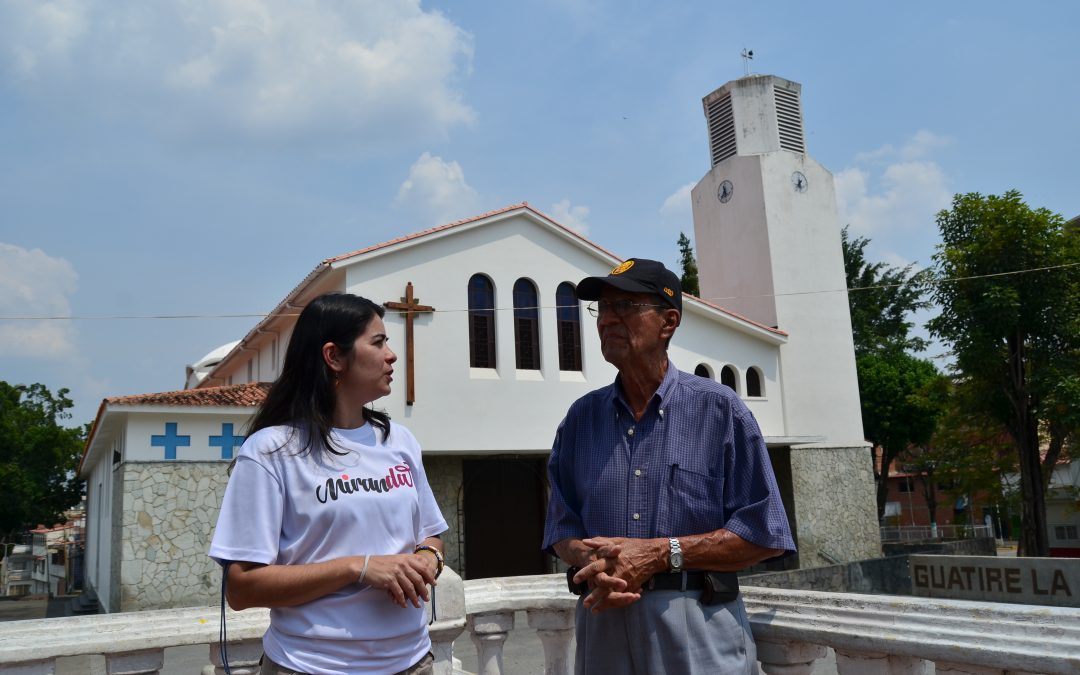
636 275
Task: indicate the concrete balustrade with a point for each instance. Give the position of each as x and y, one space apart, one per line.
870 634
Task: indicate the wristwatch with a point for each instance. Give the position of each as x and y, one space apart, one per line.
675 555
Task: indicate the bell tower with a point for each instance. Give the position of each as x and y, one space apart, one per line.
768 244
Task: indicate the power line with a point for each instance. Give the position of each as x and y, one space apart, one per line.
172 317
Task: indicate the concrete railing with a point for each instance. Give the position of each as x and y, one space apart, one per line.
906 533
869 633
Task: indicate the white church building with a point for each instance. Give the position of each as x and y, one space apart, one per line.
494 348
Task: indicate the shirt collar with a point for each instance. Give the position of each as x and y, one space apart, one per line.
663 392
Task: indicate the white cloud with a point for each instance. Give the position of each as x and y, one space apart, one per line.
256 68
904 196
921 144
437 189
573 217
894 189
32 283
678 206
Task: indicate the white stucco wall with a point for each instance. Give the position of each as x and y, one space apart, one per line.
512 410
99 531
197 423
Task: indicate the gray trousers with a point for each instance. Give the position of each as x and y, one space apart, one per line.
666 632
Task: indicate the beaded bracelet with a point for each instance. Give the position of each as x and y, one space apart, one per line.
438 557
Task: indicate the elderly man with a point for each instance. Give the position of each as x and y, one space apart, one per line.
661 489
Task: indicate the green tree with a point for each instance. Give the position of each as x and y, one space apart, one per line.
689 277
969 453
1011 319
883 299
38 458
902 397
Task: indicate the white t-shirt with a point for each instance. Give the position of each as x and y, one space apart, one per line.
282 508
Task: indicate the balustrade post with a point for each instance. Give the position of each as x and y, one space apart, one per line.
489 632
555 627
243 655
450 612
142 662
877 663
788 657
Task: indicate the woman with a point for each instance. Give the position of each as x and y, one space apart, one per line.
328 504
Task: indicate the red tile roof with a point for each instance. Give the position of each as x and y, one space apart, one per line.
251 394
247 395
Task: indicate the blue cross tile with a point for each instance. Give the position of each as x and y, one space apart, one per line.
227 441
170 440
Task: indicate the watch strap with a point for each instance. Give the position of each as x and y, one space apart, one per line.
675 560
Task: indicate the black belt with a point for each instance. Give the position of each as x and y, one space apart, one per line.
676 581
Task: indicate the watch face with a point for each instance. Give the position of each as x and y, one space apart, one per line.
799 182
676 560
725 191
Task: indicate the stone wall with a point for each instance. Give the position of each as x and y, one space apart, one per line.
444 476
169 512
835 507
890 575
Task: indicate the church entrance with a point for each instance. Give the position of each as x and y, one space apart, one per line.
504 504
780 458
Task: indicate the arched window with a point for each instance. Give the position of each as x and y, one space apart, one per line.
753 382
702 371
568 317
526 325
728 377
481 322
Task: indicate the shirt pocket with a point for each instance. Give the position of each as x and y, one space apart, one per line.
693 502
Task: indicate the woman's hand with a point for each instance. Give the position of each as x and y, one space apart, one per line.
404 577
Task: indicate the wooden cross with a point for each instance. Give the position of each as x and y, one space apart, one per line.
409 306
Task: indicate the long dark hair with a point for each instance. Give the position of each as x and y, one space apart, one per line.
303 396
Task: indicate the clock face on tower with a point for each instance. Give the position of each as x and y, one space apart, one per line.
799 182
725 191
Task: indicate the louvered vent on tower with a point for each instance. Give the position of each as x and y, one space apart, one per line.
789 120
721 129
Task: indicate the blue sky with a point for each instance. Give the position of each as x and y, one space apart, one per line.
201 157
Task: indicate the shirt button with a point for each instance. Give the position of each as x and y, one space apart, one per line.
661 412
630 431
637 516
637 472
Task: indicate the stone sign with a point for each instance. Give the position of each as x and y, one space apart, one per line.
1029 581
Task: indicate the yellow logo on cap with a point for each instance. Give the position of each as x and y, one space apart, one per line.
671 293
623 267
